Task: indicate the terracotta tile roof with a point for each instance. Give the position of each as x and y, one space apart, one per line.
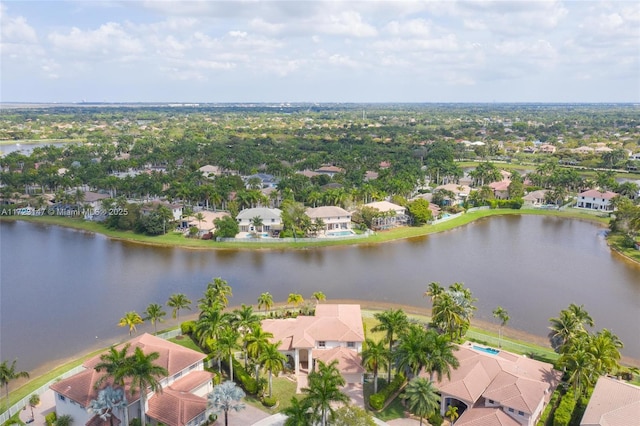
81 387
97 421
385 206
175 408
342 323
594 193
486 416
349 361
327 211
511 380
502 185
191 381
613 403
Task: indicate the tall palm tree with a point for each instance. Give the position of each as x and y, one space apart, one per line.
116 364
144 376
154 314
130 319
265 300
226 397
178 301
244 319
319 297
604 346
374 357
411 352
8 373
209 325
503 316
324 389
440 355
273 361
227 342
218 292
434 290
255 342
565 328
34 400
579 364
447 314
295 299
422 398
392 322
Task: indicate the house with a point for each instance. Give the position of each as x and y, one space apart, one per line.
206 224
500 189
334 217
335 332
613 403
395 215
535 198
176 209
209 171
266 180
271 220
495 387
182 401
461 192
94 199
330 170
547 148
594 199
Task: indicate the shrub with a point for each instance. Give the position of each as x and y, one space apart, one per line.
435 419
50 418
377 400
248 383
549 408
269 402
188 327
562 416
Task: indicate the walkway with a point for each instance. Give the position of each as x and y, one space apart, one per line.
46 406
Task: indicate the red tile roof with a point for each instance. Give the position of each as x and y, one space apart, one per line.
349 361
594 193
613 403
486 416
175 408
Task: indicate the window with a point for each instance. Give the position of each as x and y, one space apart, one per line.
61 397
491 401
511 410
521 413
177 375
351 344
322 344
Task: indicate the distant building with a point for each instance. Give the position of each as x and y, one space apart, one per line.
595 200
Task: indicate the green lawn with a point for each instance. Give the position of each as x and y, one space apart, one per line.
283 390
187 342
615 242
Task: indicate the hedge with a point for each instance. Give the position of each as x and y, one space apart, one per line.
435 419
51 418
549 408
269 402
248 383
377 400
188 327
562 416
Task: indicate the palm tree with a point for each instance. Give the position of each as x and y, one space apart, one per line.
324 389
604 346
218 292
116 365
579 364
257 222
109 399
130 319
144 375
452 413
155 314
178 301
244 320
64 420
255 342
319 296
421 397
34 400
503 316
375 356
273 361
227 342
411 352
295 299
8 373
265 300
440 355
199 217
447 314
568 326
209 325
391 322
434 290
297 413
226 397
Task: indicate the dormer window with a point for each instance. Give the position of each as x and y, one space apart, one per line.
322 344
351 344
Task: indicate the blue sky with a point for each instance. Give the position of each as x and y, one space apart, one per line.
320 51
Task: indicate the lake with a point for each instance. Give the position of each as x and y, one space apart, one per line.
63 291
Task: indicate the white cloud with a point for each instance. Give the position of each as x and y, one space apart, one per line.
347 23
17 30
109 40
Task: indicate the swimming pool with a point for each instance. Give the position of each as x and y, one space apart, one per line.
258 235
489 351
339 234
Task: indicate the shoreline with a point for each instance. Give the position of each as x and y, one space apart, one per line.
172 240
368 307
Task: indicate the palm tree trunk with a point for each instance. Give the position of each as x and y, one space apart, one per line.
226 419
230 367
375 381
389 372
143 416
270 383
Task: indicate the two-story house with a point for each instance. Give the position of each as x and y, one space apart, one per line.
335 332
334 218
182 401
495 387
271 220
595 200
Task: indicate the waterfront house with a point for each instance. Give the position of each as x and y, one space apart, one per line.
182 401
500 189
271 220
461 192
535 198
206 224
334 217
175 209
395 215
613 403
335 332
495 387
594 199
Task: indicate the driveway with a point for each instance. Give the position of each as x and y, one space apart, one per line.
356 393
248 416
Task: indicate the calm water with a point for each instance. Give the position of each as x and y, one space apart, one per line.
61 288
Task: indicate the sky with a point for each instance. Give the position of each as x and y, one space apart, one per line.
320 51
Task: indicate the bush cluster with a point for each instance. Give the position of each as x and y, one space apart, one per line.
515 204
248 383
435 419
188 327
377 400
269 401
50 418
562 416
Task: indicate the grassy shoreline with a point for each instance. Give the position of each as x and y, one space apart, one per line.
179 241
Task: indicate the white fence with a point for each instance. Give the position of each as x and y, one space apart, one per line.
294 240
